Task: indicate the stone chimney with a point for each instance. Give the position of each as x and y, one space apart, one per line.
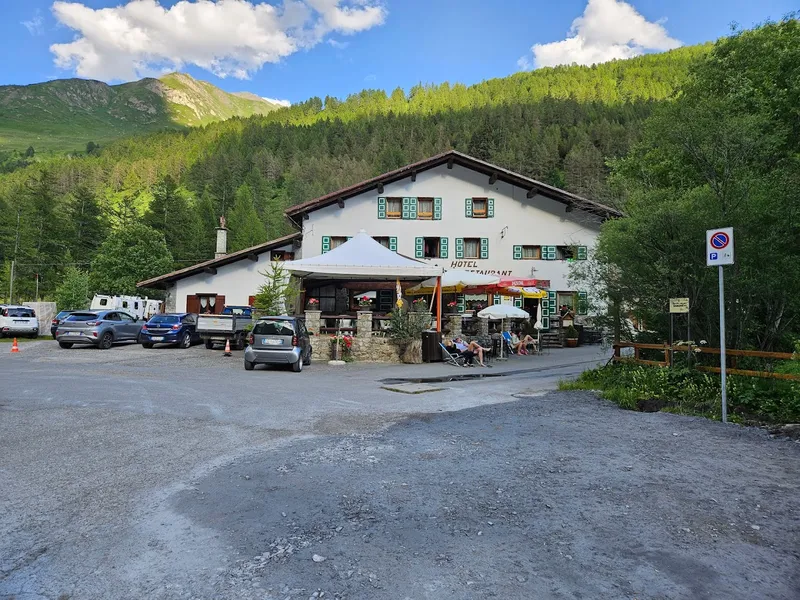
222 239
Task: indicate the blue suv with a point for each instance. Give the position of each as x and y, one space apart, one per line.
172 328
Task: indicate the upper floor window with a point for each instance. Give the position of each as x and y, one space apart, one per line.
394 208
387 242
425 208
479 208
531 252
472 247
337 241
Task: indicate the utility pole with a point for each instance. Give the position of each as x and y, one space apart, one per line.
13 264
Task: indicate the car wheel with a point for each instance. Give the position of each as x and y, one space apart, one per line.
65 345
186 340
147 345
209 344
298 366
248 366
106 340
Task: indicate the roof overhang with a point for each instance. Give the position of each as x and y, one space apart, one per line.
493 172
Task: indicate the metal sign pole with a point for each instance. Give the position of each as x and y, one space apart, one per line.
689 339
722 361
671 337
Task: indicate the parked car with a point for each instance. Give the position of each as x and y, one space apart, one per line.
172 328
279 341
98 328
18 321
231 325
57 320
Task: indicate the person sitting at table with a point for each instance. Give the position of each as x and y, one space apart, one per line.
474 348
520 344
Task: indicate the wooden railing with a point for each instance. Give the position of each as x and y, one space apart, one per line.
692 350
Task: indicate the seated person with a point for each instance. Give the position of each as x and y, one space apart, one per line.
520 344
473 348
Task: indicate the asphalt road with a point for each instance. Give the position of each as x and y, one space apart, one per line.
175 474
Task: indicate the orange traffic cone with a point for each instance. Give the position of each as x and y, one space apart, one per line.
15 346
227 348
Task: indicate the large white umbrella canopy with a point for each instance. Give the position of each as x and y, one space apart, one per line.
503 311
453 281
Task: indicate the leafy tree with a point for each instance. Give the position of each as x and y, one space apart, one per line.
87 223
73 292
246 229
170 213
29 152
725 153
91 147
129 255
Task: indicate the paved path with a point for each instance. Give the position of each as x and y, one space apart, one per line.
122 471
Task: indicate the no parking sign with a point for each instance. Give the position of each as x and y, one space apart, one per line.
719 247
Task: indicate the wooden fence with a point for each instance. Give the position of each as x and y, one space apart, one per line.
691 350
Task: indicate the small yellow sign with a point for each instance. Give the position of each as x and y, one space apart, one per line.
679 305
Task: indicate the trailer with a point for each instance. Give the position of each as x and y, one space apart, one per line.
231 325
144 308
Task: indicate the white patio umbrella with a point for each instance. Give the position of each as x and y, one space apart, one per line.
503 312
452 282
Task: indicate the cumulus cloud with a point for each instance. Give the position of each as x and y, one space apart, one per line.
36 25
226 37
607 30
278 102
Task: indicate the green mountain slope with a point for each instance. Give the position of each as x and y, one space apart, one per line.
66 114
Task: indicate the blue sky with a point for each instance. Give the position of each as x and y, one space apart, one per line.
296 49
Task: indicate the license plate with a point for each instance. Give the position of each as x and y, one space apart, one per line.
157 339
268 342
80 333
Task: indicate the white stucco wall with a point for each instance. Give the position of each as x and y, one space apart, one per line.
518 221
236 281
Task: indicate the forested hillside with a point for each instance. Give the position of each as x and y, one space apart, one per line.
558 125
67 114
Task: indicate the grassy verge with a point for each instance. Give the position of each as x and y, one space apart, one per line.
21 340
751 400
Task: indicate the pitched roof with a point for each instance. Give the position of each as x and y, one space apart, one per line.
451 157
161 280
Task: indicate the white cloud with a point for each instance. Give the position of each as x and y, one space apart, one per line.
278 102
607 30
370 77
338 44
226 37
36 25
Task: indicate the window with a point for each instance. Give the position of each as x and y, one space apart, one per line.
164 319
472 247
326 296
274 327
479 208
125 317
431 249
394 208
382 240
337 241
282 255
425 208
112 317
21 313
531 252
103 301
565 252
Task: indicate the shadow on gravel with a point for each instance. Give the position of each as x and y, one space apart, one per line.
558 496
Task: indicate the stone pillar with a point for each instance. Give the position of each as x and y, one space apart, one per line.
454 325
313 321
483 327
364 326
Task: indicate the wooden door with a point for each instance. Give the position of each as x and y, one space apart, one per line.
219 305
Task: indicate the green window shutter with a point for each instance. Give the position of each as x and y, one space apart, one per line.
461 303
518 302
545 322
583 253
385 299
545 306
459 247
419 247
497 299
490 208
551 296
549 252
406 208
443 248
517 252
393 244
412 208
381 208
484 248
583 303
468 207
326 244
437 209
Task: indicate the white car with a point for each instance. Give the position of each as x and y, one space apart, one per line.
18 321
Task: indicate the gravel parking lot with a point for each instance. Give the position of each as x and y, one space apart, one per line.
175 474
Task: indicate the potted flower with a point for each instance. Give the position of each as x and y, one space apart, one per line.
419 305
452 307
364 303
572 337
312 304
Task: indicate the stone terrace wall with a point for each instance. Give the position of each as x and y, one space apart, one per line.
371 349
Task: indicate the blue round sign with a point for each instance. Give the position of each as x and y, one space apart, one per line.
720 240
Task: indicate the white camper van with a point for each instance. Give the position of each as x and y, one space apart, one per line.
144 308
